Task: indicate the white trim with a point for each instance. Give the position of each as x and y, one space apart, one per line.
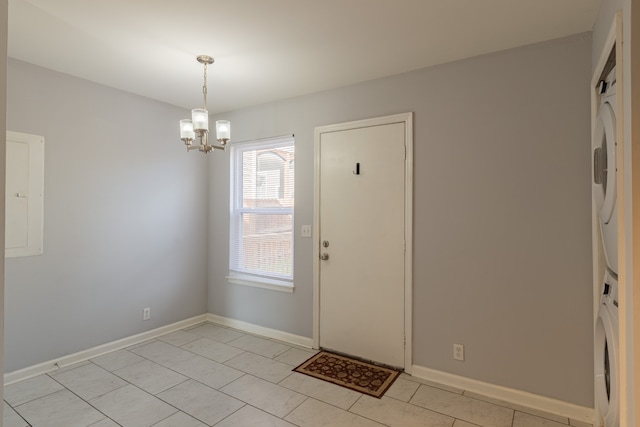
628 225
517 397
408 246
315 237
407 119
261 330
61 362
260 282
606 50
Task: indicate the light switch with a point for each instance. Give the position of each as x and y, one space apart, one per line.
306 231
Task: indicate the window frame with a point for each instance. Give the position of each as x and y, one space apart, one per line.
237 275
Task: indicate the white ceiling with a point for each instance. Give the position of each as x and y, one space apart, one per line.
272 49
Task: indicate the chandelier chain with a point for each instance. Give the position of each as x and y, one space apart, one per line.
204 86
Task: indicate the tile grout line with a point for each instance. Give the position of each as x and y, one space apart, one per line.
426 409
363 416
448 415
296 407
19 414
84 400
153 395
142 390
522 410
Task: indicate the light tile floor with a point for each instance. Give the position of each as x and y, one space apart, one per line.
211 375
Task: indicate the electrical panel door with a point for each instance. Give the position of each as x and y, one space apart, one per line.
24 195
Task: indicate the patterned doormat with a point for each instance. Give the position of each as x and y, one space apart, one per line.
350 373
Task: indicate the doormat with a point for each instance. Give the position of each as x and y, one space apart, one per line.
354 374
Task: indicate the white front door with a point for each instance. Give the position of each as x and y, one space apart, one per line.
361 221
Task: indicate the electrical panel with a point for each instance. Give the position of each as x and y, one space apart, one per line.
24 195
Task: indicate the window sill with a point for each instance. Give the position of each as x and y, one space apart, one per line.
261 282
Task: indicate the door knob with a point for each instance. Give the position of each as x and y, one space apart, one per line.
325 243
324 256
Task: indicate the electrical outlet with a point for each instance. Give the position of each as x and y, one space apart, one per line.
458 351
146 313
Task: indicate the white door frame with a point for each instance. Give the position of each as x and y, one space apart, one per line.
407 119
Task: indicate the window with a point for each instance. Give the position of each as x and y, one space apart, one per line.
262 202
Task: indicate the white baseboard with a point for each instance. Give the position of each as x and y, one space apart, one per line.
61 362
261 330
517 397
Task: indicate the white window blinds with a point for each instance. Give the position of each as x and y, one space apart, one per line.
262 203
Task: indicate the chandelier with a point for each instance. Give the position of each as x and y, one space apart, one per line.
198 125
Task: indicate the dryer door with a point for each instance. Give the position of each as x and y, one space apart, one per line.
606 366
604 162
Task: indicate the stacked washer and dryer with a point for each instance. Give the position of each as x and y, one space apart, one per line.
604 193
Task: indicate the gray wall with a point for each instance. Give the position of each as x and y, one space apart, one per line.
124 219
502 220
